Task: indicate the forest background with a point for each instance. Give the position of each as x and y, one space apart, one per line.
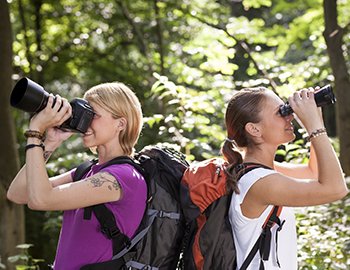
184 59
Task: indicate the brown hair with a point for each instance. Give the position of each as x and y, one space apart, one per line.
120 101
244 107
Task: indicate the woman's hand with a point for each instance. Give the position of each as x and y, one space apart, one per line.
54 138
304 106
54 114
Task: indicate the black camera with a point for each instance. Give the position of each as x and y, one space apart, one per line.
32 97
323 96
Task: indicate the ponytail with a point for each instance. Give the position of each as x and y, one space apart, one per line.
233 156
244 107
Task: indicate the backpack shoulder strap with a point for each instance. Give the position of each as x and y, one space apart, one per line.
243 168
104 216
82 169
126 160
263 243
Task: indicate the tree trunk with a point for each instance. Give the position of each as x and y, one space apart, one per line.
333 35
11 215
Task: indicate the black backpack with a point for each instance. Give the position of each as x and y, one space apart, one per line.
158 241
205 202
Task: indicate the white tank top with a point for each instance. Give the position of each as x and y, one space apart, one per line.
246 230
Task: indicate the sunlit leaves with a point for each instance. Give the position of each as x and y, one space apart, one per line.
323 231
207 49
324 239
243 26
256 3
186 116
24 261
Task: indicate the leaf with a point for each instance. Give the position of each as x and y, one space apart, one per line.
24 246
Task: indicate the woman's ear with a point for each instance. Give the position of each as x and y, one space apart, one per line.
253 129
121 123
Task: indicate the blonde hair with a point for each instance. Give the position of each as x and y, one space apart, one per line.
120 101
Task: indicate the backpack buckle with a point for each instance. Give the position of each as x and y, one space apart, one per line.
270 223
110 232
161 214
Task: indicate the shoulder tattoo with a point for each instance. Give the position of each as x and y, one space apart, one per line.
104 178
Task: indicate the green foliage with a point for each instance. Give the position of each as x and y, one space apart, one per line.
185 115
184 59
24 261
323 236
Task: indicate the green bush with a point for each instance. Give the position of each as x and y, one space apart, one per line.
323 236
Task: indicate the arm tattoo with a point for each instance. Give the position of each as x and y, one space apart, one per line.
102 178
47 155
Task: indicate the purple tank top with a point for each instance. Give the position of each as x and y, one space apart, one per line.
81 242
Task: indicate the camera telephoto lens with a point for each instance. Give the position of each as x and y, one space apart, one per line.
28 96
31 97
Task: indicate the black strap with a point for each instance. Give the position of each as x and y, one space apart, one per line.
104 216
82 169
243 168
278 230
263 243
109 227
126 160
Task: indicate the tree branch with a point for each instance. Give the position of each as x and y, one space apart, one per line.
136 30
244 46
38 32
26 38
159 35
142 45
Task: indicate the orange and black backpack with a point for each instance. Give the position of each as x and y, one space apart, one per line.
205 202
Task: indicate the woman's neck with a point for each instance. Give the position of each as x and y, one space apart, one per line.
261 156
105 154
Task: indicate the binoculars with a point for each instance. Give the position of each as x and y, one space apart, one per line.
323 96
31 97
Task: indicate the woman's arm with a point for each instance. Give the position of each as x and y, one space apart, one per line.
41 193
329 186
279 189
17 191
302 171
99 188
33 187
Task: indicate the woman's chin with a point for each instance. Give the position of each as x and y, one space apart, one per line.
292 137
87 142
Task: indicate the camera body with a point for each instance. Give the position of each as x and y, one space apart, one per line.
31 97
82 115
323 96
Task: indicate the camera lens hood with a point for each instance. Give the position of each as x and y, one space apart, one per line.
28 96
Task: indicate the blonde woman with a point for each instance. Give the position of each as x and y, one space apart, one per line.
114 131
